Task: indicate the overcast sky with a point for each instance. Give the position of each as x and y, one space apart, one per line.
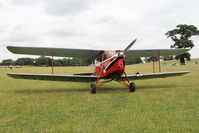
93 24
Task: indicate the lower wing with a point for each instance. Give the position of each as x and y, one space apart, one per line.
90 78
54 77
155 75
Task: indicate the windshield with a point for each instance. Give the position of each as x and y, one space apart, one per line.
105 55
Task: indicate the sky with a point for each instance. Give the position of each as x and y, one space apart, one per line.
93 24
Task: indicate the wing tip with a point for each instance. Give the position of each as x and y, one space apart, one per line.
186 71
10 75
10 48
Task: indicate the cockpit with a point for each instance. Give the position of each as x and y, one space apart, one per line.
103 56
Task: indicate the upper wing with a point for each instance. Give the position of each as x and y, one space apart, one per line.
54 77
155 75
155 52
61 52
86 53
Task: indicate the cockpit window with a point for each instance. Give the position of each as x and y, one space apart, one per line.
100 58
109 53
105 55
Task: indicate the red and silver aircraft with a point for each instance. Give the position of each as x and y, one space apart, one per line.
109 65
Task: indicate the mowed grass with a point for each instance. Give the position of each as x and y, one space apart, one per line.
158 105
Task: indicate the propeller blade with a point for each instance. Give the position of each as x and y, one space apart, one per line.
119 55
130 45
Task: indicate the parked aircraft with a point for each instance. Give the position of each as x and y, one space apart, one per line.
109 65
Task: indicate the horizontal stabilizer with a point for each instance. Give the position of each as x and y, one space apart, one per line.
54 77
155 75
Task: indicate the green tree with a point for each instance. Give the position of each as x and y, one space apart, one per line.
7 62
181 37
66 62
150 59
43 61
133 60
58 62
168 58
24 61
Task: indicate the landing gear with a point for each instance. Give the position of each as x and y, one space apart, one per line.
93 88
121 80
132 87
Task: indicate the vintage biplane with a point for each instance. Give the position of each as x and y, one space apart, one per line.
109 65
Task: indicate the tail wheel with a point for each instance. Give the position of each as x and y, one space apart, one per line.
132 87
93 88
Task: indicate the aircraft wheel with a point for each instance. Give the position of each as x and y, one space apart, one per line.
132 87
93 88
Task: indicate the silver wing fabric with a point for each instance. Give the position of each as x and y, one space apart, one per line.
60 52
53 77
155 52
155 75
91 78
90 54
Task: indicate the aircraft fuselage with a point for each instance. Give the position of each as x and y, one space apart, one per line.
109 65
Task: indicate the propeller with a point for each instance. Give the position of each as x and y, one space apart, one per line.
120 54
130 45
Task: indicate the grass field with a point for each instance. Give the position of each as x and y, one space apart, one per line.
159 105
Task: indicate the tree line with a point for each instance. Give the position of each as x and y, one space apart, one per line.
164 58
46 61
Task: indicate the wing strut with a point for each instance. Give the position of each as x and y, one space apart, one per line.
153 64
52 61
158 61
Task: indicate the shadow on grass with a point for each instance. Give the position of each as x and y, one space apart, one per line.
49 90
100 90
162 86
61 90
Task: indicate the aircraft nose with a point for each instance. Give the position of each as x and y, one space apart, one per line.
121 55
